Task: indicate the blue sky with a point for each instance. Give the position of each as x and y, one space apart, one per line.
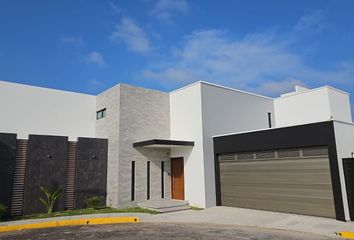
261 46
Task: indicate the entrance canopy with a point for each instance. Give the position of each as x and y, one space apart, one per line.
163 143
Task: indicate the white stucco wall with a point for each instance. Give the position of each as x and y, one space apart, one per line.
35 110
201 111
186 124
339 105
316 105
228 111
302 108
344 134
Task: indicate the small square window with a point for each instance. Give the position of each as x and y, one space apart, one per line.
101 114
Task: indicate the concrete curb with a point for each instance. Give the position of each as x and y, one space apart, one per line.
348 235
71 222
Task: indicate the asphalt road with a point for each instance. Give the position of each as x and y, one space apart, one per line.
156 231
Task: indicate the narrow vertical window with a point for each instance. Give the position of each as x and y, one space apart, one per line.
133 182
270 120
162 179
148 180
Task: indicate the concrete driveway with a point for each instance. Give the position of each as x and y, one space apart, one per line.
156 231
256 218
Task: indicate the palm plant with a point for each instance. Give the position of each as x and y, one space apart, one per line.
51 198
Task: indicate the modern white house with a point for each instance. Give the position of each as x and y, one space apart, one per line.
205 143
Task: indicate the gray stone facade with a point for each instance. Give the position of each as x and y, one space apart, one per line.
108 127
134 114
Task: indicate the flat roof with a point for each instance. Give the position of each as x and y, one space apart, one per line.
291 94
222 87
9 83
161 143
176 90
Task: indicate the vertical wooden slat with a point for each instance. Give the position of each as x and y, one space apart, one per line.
19 178
69 203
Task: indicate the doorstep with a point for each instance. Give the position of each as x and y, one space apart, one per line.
165 205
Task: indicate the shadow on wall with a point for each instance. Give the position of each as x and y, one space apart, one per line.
149 181
184 152
154 155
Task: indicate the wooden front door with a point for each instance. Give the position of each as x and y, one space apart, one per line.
177 178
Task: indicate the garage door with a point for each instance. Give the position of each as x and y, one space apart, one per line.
292 180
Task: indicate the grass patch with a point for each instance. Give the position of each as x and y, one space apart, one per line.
85 211
196 208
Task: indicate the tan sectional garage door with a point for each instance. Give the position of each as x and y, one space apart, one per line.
294 181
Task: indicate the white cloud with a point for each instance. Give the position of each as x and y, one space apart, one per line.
273 88
128 32
311 22
96 58
261 62
165 9
74 40
169 74
115 8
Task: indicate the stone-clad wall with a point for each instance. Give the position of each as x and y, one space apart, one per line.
7 165
91 170
155 156
134 114
144 114
46 167
108 127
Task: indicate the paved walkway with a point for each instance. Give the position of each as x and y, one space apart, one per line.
235 216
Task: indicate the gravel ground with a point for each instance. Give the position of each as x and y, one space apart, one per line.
158 231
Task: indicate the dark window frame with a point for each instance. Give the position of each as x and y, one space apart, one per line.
101 113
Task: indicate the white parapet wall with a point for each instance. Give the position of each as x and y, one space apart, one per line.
36 110
313 105
339 105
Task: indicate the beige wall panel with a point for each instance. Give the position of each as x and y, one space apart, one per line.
300 186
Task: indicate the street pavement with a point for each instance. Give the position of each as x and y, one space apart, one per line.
159 231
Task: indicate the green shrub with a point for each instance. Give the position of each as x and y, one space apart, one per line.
3 210
94 202
51 198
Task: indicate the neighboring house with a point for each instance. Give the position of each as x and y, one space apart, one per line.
204 143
